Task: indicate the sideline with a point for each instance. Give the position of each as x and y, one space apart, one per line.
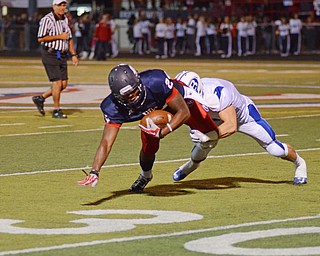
137 238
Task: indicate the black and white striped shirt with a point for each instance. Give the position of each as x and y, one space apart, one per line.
51 25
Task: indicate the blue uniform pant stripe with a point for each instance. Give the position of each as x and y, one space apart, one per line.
254 113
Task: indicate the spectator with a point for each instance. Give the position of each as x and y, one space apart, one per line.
86 35
34 25
316 6
267 34
190 34
22 23
295 34
145 28
11 34
170 37
242 36
138 38
102 36
284 38
251 31
2 33
310 33
226 37
212 36
153 22
78 28
180 35
201 27
114 40
161 29
190 4
130 24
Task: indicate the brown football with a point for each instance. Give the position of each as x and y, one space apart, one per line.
159 117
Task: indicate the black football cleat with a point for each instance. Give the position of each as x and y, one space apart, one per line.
139 184
39 102
57 113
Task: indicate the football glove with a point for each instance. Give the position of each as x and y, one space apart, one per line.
151 128
91 179
199 137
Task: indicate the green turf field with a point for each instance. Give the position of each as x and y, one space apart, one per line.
239 202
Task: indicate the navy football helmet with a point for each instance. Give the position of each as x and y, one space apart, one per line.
126 86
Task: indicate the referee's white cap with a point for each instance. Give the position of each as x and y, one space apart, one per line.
57 2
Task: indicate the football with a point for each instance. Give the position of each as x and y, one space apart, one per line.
159 117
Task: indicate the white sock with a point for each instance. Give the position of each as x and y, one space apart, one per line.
147 174
301 167
298 160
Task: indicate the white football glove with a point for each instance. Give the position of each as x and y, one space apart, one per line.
91 179
199 137
151 128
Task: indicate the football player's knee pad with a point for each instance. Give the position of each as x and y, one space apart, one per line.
278 149
201 150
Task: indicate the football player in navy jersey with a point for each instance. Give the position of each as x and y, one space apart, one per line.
134 95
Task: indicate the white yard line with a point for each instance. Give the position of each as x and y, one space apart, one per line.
13 124
135 164
165 235
54 126
42 133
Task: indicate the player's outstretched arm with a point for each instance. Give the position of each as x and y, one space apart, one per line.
109 136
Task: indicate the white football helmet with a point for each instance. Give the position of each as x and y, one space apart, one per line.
191 79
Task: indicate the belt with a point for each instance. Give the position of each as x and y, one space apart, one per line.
52 50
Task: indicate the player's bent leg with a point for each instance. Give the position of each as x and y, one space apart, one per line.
145 176
142 181
150 146
199 153
146 164
288 153
263 133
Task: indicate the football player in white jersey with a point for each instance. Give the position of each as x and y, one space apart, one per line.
232 112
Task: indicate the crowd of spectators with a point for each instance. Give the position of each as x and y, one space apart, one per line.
97 34
202 35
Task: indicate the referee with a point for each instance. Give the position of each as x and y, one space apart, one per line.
56 46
